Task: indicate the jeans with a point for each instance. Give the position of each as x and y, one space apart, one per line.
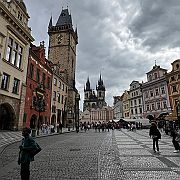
155 143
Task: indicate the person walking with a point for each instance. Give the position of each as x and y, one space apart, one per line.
175 134
26 154
156 135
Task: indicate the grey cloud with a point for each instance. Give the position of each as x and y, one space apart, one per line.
106 29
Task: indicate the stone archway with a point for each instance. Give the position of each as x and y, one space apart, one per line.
53 119
33 121
7 117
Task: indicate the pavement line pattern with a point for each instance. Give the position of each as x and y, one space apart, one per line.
140 162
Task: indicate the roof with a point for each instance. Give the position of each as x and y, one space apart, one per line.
64 18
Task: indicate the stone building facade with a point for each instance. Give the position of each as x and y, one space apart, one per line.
136 104
173 79
15 39
59 96
118 107
126 104
155 94
63 40
104 114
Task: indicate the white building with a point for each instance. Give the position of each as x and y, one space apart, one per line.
15 39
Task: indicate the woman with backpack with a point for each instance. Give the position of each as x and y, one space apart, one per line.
156 135
28 149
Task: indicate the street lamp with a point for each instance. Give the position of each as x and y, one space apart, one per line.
177 111
39 104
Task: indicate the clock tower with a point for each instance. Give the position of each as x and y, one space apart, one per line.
62 45
63 40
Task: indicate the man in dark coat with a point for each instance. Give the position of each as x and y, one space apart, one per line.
156 135
27 145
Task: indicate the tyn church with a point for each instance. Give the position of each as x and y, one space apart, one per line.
92 99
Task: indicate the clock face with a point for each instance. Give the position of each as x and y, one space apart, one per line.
59 38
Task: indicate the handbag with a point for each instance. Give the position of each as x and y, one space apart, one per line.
35 150
177 138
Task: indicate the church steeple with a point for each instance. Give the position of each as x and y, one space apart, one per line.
88 85
100 85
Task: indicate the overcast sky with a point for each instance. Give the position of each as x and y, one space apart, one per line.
119 38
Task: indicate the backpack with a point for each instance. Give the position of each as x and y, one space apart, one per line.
35 150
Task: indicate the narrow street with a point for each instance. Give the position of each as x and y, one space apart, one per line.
105 155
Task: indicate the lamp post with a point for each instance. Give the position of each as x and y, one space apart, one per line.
39 104
177 111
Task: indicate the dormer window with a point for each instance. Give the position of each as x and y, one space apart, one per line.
177 66
155 75
20 15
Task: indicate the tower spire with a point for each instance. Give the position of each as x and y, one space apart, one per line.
50 22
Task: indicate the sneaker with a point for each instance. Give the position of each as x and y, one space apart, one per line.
154 151
176 151
158 152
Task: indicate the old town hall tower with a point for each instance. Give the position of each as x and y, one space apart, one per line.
62 50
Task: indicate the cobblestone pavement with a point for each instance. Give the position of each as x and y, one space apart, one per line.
8 137
120 155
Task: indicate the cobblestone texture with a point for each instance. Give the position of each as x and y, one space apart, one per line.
117 155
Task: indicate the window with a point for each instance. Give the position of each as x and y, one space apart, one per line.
172 78
153 108
136 92
135 102
58 96
20 16
177 66
150 78
147 107
63 87
157 92
164 105
162 90
131 103
53 109
16 86
158 105
19 59
151 93
9 49
155 75
140 110
5 81
48 82
62 99
135 111
31 71
174 89
131 111
66 89
99 94
55 81
132 94
139 101
178 76
38 75
14 53
146 94
54 95
60 84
